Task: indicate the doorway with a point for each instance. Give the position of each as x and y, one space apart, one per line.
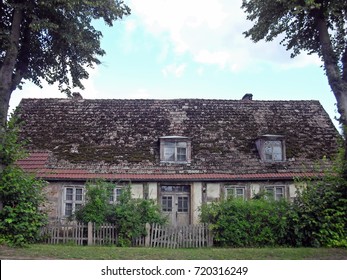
175 204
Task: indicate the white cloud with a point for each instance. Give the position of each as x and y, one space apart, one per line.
211 32
174 69
130 25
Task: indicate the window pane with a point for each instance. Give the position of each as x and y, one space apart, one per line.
240 192
277 153
230 192
169 151
182 204
237 192
79 194
166 188
166 203
279 193
68 209
180 188
181 144
269 192
118 194
273 150
69 193
78 206
181 154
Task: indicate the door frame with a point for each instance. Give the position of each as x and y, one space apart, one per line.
189 193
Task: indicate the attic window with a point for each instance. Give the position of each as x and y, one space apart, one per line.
174 149
271 148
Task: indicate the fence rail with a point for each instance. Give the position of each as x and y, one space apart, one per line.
106 234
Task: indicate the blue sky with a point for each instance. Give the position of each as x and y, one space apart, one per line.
194 49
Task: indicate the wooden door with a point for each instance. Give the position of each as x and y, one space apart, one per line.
175 203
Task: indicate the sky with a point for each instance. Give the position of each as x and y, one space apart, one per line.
194 49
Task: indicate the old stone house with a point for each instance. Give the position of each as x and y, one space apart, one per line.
180 152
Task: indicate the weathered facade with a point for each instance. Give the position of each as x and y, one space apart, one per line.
180 152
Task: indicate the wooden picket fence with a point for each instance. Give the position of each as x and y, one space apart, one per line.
106 234
190 236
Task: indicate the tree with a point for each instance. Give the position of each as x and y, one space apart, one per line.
52 40
314 26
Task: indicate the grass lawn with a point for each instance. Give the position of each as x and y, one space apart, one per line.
61 252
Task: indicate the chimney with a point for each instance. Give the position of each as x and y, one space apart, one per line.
247 96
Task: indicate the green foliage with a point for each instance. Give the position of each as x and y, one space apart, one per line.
10 147
20 194
21 217
128 214
319 213
297 21
98 206
316 218
311 26
252 223
57 39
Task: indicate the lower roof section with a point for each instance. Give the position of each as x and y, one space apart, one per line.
36 163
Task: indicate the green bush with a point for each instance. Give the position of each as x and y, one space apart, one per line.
252 223
319 214
97 207
316 218
21 196
128 214
21 218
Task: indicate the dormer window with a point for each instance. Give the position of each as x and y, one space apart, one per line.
271 148
174 149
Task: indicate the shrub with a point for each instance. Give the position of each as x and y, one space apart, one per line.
21 196
319 213
252 223
128 214
97 207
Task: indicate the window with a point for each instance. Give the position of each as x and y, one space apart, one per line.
176 189
271 148
174 149
276 192
182 204
166 203
73 200
235 192
116 193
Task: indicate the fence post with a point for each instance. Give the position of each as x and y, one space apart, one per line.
148 235
210 236
90 233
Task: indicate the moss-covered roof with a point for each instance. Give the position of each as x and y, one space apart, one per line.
122 136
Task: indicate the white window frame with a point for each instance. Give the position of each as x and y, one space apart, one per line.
178 145
116 193
234 190
76 200
277 195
